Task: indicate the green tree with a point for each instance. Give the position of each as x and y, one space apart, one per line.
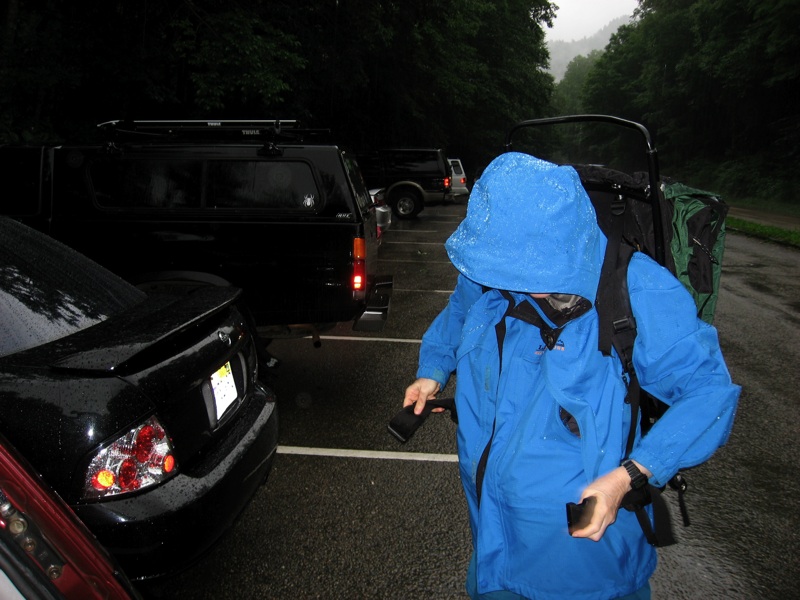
568 96
508 76
234 58
65 67
716 81
449 73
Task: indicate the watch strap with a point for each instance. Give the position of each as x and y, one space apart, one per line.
638 479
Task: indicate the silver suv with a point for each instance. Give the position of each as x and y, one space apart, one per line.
459 189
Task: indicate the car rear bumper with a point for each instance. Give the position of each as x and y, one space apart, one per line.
383 215
459 193
377 312
434 197
164 530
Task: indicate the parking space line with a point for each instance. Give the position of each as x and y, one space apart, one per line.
422 291
414 260
413 243
347 338
373 454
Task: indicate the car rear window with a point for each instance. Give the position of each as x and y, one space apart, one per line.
416 160
457 170
48 291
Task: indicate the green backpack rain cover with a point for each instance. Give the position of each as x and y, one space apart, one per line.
698 243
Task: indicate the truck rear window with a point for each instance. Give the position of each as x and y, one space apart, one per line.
147 183
266 185
215 184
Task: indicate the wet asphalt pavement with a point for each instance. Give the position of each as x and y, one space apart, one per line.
346 514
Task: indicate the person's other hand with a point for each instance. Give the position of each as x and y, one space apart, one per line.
420 392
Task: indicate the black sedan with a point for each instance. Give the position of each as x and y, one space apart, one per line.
145 412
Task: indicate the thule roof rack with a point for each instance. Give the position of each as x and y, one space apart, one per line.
268 130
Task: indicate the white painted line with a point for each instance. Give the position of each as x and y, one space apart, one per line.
409 290
381 455
354 338
415 243
412 260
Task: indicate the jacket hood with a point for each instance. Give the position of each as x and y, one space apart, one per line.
530 227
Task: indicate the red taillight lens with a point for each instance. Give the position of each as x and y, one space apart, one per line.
359 264
144 443
447 182
463 181
128 475
140 458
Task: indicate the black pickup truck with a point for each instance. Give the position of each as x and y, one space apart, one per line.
267 206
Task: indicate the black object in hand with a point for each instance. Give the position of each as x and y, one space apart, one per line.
405 423
580 515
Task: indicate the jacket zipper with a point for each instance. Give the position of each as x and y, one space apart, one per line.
500 331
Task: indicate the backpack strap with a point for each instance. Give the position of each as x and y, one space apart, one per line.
617 329
617 325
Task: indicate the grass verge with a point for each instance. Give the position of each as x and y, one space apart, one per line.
767 232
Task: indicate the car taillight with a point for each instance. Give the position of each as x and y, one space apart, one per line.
141 458
447 182
359 264
463 181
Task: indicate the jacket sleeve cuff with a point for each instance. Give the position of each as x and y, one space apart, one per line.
434 373
660 476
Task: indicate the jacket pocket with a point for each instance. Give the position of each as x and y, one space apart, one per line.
543 560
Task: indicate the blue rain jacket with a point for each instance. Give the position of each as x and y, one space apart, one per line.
531 228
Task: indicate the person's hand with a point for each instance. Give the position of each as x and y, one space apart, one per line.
609 491
420 392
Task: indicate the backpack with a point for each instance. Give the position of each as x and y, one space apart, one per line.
694 232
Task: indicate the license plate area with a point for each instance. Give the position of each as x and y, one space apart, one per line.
223 389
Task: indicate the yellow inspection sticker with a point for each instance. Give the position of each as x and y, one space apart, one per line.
224 388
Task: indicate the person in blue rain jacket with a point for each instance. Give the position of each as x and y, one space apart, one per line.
551 424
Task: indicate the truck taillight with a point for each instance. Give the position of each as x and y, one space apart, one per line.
447 183
359 264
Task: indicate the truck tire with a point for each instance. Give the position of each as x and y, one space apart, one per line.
406 203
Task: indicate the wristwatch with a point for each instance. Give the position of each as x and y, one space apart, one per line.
638 479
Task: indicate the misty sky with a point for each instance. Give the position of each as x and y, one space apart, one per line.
576 19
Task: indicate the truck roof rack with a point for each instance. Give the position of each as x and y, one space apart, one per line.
266 130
